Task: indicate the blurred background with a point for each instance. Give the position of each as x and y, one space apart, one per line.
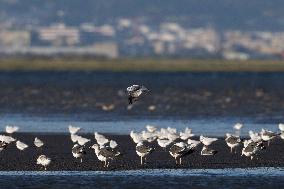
205 62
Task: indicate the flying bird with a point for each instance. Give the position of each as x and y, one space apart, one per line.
134 92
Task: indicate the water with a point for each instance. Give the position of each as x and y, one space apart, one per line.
207 178
59 124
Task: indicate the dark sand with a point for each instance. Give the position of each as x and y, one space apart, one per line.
58 148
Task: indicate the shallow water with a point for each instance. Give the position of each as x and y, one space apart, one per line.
207 178
59 124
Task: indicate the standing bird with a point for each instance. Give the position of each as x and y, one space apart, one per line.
142 150
178 150
267 135
73 130
206 140
134 92
11 129
206 151
164 142
21 146
38 143
3 145
43 160
105 154
232 141
78 152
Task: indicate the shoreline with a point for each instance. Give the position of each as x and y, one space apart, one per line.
58 148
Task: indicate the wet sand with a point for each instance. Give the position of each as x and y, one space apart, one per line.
58 148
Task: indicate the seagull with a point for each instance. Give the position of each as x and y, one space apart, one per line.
101 139
147 136
43 160
193 143
255 136
178 150
11 129
281 127
105 154
38 143
267 135
21 146
164 143
251 148
113 144
238 126
232 141
74 138
136 137
142 150
6 139
78 151
3 145
73 130
151 128
206 151
206 140
134 92
186 134
82 141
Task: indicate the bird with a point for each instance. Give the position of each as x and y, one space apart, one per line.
267 135
238 126
3 145
186 134
73 130
43 160
251 148
143 150
148 136
101 139
151 128
232 141
134 92
38 143
281 127
255 136
193 143
105 154
206 151
164 143
178 150
7 139
21 146
78 152
113 144
136 137
82 141
206 140
11 129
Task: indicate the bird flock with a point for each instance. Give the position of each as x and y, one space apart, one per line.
178 144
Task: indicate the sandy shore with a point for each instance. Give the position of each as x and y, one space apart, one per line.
58 148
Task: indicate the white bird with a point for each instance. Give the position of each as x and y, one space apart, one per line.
43 160
193 143
151 128
164 143
238 126
136 137
206 140
172 130
267 135
255 136
6 139
74 138
281 127
172 136
148 136
38 143
113 144
186 134
101 139
11 129
73 130
21 146
82 141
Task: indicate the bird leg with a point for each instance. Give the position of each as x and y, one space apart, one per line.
231 150
45 168
81 160
141 160
176 160
251 157
180 161
268 142
105 164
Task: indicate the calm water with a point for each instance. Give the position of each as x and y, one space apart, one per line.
59 124
227 178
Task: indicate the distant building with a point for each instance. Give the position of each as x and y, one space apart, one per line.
14 39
